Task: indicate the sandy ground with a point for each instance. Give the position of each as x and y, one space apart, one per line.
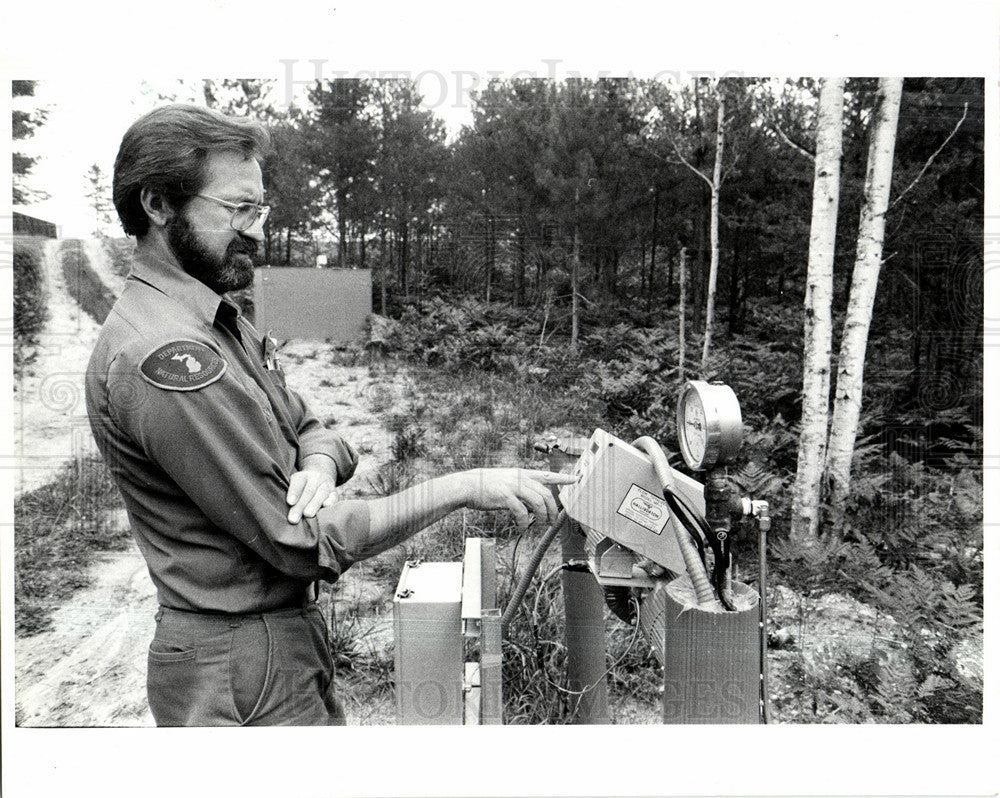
90 668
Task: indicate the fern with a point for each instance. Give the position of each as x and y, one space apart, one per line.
756 480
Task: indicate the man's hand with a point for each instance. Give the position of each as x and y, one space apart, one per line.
516 489
312 487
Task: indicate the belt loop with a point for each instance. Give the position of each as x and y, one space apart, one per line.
159 615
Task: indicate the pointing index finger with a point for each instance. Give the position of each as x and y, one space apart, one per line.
552 478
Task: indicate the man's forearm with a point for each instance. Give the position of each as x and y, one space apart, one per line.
395 518
359 529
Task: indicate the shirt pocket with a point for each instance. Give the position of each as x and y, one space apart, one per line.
255 392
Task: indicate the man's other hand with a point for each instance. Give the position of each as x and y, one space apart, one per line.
311 488
524 492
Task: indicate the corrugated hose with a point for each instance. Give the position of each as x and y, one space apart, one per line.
695 567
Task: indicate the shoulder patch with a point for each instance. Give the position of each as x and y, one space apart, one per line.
182 366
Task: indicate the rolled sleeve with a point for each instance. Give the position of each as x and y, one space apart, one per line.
314 438
342 530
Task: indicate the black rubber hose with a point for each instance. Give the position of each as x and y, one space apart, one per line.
684 515
525 580
691 510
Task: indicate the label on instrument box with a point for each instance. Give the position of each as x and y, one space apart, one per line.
644 508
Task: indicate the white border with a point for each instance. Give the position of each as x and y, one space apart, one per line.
223 37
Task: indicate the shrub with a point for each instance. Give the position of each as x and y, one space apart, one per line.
913 550
29 301
121 252
82 283
29 292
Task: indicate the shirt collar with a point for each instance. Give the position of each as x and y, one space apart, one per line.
164 273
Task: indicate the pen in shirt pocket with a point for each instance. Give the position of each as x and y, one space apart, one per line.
270 347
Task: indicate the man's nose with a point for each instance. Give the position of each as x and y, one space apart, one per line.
255 231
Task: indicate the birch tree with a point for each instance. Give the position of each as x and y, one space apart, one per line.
818 321
713 268
867 264
714 185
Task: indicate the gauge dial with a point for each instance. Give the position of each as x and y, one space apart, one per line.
695 435
709 424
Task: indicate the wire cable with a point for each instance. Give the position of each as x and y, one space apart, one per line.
586 689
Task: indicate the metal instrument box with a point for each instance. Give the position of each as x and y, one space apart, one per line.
427 621
619 497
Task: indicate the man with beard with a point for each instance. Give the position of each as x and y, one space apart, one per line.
227 477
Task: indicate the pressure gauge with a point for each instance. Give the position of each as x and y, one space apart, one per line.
709 424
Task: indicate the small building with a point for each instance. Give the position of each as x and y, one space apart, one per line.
313 303
25 225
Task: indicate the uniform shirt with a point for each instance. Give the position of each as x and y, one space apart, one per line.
202 437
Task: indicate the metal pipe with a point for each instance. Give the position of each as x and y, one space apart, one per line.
763 525
586 646
583 607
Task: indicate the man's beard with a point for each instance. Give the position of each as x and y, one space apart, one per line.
230 273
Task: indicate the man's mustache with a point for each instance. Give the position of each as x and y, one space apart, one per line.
242 245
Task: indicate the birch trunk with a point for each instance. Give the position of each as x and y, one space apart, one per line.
818 326
713 268
867 264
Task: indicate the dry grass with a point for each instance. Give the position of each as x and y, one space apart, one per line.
82 283
58 530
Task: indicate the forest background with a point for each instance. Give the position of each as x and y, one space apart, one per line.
559 253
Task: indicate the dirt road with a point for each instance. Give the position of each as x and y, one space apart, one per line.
89 669
50 418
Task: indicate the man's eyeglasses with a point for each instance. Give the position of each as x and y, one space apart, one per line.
245 214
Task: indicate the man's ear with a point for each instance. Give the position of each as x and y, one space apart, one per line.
157 207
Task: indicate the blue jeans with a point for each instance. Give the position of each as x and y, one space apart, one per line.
271 669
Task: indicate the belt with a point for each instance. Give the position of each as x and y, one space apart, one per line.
221 619
308 598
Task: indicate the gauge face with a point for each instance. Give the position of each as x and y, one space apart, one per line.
709 424
694 433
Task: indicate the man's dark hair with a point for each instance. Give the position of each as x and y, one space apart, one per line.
166 150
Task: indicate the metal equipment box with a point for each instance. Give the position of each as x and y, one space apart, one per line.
619 497
427 620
